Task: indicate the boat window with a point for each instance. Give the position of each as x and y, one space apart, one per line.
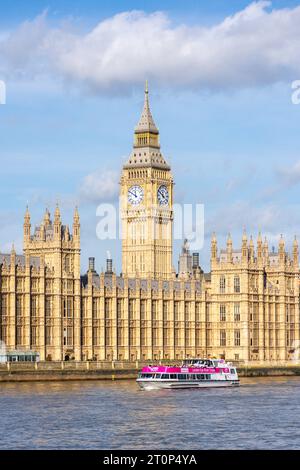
157 376
208 376
182 376
146 376
165 376
173 376
232 371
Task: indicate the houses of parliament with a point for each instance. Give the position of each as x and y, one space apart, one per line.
245 309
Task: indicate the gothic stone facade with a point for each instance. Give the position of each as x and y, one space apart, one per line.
245 309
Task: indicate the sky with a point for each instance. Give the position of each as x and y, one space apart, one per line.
220 80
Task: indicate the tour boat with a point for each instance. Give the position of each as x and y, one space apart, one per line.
193 373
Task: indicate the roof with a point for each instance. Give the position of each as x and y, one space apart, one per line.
146 122
147 154
20 260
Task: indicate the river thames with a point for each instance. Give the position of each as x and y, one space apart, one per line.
263 413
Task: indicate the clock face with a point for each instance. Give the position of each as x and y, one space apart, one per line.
163 195
135 195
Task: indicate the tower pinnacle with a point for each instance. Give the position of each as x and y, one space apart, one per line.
146 147
146 122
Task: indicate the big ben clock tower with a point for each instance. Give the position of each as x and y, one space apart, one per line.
146 204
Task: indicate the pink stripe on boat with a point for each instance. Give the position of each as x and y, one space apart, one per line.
184 370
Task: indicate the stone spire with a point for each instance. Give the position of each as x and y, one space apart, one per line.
281 249
47 220
27 225
259 246
76 226
266 250
214 246
251 249
244 246
27 216
146 147
57 214
229 248
76 218
295 253
146 122
57 223
67 233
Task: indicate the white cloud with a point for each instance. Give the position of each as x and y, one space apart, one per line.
267 218
101 185
256 46
290 176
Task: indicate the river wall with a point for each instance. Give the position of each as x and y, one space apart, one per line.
59 371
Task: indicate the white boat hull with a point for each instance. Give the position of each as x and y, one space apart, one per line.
168 384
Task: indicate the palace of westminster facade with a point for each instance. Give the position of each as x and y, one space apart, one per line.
246 309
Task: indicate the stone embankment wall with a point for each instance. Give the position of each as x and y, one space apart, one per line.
56 371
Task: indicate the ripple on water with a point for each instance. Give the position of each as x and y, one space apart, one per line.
261 414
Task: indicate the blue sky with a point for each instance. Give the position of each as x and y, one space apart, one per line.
220 77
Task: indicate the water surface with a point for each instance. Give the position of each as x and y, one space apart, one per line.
264 413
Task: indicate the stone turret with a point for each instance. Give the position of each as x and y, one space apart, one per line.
266 252
27 225
295 254
281 250
214 247
244 247
259 247
251 250
76 227
57 224
229 249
